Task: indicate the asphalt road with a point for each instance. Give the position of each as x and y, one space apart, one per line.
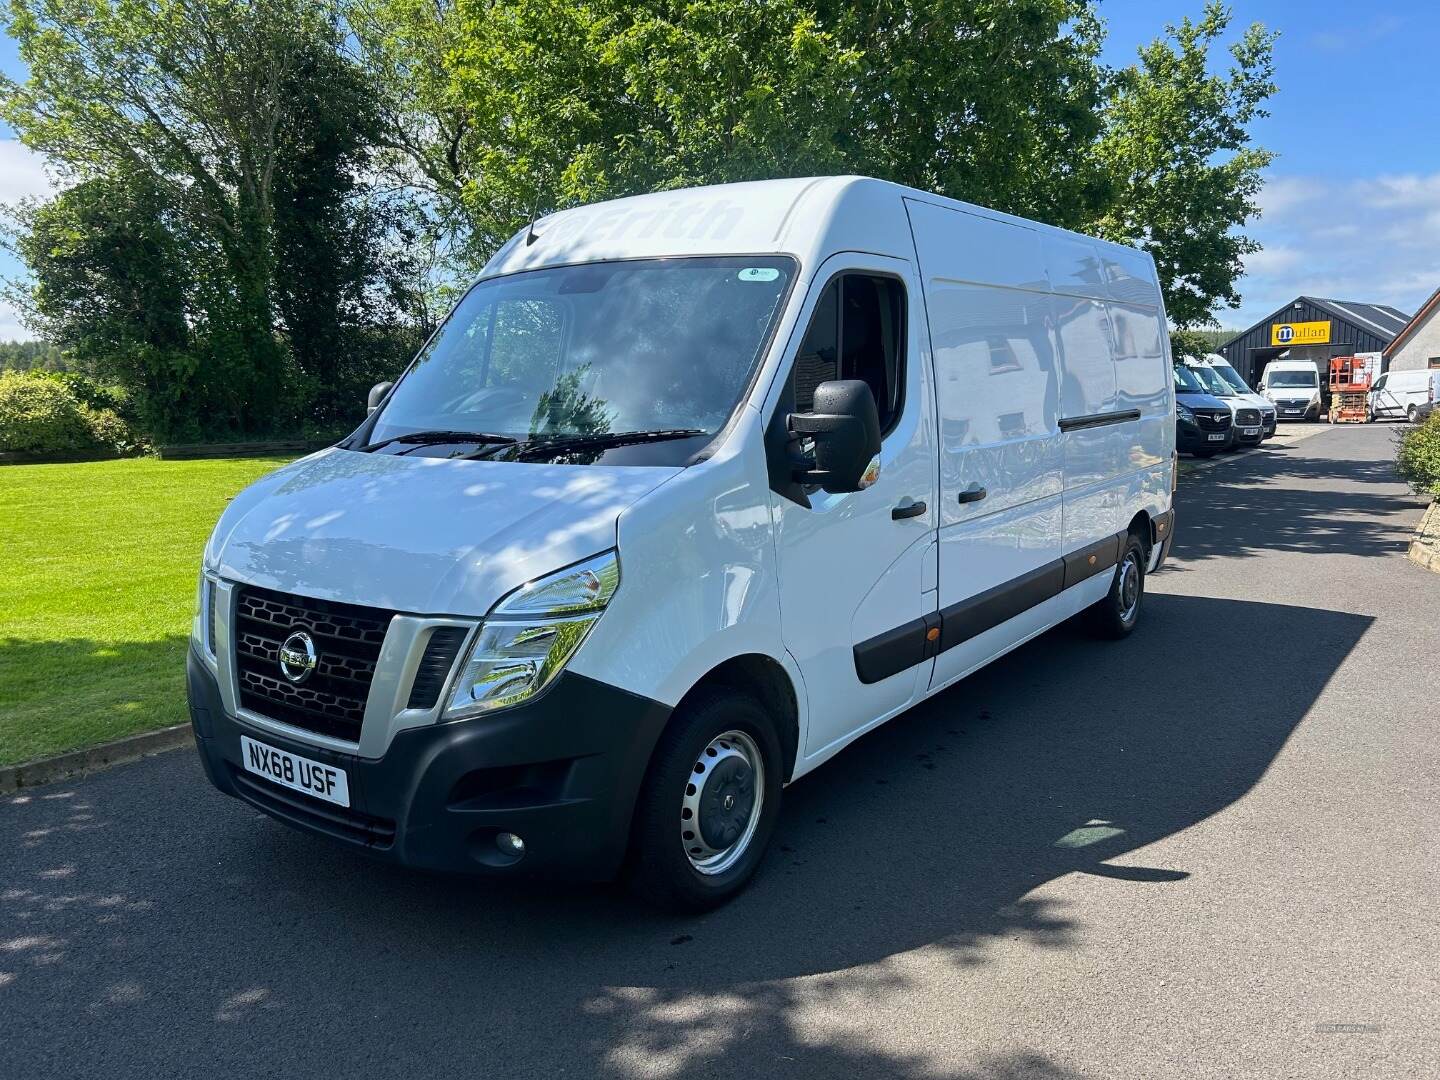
1210 850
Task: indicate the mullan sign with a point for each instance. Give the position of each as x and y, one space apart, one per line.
1300 333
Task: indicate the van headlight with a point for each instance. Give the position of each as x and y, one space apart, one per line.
529 636
1184 413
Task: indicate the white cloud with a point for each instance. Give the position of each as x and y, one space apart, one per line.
10 328
1375 239
1272 260
22 172
1345 38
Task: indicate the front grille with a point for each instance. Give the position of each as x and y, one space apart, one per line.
1247 417
1213 421
331 700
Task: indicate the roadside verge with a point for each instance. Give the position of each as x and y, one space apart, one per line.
79 762
1425 548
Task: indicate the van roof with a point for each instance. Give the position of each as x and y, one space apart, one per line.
805 217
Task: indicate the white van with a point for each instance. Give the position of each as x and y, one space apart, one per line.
1244 395
1294 387
1400 393
689 492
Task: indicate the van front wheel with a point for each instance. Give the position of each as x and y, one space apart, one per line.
1116 615
710 802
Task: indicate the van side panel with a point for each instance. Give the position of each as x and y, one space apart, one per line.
998 391
1094 456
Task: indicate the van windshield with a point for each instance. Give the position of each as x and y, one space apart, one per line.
651 356
1294 378
1231 376
1212 382
1187 382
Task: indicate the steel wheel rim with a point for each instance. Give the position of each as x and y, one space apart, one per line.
713 835
1129 587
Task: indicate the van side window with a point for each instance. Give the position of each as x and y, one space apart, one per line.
1380 382
857 332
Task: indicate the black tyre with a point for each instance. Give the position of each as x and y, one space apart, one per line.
1116 615
709 803
1410 413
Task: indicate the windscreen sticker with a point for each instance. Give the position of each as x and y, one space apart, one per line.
759 273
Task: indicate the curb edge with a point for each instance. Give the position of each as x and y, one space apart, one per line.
30 774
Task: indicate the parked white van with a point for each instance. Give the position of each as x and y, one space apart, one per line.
1218 364
1400 393
689 492
1294 387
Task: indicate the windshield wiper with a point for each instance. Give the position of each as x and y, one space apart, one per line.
433 438
600 440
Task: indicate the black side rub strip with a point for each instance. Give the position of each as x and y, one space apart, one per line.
905 646
1095 559
1080 423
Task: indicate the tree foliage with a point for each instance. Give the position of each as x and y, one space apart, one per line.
262 194
1177 141
216 243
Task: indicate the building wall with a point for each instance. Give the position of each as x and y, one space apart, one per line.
1417 350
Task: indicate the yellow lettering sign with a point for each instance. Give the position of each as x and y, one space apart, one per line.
1300 333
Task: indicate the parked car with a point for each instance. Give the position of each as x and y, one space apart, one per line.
1221 367
1246 425
1294 387
687 493
1401 393
1204 425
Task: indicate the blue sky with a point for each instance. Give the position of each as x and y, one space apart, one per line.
1351 208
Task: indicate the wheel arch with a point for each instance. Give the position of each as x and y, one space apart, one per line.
765 679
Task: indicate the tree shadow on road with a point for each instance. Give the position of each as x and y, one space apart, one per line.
201 936
1316 506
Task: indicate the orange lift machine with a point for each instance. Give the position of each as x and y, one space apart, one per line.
1349 390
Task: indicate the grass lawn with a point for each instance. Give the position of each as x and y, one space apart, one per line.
98 569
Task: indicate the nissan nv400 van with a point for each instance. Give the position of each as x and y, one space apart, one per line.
689 492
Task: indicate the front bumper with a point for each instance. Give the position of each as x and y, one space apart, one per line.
562 773
1241 439
1299 410
1191 439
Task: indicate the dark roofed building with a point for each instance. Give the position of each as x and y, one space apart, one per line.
1313 328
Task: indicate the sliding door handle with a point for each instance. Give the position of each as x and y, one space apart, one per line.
907 509
974 493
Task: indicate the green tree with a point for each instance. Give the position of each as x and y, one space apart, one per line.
1177 140
111 289
191 94
993 102
343 270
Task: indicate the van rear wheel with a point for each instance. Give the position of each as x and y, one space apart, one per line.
1116 615
709 804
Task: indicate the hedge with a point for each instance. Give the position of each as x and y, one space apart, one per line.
1418 459
43 412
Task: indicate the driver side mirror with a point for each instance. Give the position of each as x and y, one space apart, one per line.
844 426
376 396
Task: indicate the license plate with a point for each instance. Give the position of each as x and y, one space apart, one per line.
313 778
1215 438
1250 431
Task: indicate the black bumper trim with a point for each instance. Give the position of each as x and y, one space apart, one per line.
562 772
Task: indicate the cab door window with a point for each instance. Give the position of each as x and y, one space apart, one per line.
856 332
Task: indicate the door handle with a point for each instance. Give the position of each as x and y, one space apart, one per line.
974 493
907 510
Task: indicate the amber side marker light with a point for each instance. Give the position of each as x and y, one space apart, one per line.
933 634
